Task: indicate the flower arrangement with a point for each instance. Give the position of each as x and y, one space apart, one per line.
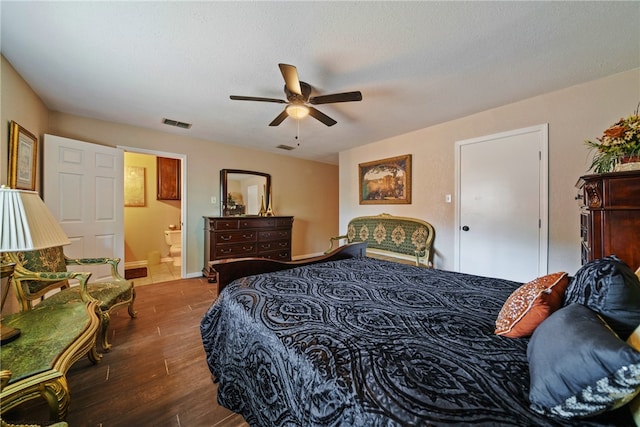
618 144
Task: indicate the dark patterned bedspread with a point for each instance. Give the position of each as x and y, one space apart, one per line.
365 342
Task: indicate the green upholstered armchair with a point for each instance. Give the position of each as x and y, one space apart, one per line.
39 272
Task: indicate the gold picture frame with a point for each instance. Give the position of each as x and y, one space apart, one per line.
386 181
135 186
23 158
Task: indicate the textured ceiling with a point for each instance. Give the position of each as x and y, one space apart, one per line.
416 63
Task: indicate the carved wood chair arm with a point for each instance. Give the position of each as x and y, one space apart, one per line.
22 274
334 239
425 253
113 262
5 376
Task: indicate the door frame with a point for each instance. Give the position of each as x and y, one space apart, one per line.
543 195
183 192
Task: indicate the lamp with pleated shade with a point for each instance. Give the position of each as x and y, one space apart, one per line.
27 225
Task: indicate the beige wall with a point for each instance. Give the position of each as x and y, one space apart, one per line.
305 189
574 114
20 104
144 226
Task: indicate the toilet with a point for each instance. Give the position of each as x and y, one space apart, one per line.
174 240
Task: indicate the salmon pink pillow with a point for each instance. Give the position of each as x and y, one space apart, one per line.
530 304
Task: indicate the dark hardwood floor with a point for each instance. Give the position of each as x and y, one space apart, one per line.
155 374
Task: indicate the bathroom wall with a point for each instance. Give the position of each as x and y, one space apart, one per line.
144 226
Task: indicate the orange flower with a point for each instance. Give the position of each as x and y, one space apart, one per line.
616 131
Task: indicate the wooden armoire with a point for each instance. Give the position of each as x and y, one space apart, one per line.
610 216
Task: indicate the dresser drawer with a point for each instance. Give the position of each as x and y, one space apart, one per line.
282 255
258 223
284 222
223 224
264 236
273 245
222 237
237 250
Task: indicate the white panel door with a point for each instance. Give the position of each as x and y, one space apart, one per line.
502 205
84 188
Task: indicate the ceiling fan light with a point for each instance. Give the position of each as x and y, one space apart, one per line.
297 111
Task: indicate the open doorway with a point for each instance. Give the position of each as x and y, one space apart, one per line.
155 246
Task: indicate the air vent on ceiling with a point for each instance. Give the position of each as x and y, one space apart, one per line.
286 147
176 123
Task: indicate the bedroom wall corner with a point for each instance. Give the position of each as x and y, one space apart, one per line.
21 104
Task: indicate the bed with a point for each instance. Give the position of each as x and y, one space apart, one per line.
368 342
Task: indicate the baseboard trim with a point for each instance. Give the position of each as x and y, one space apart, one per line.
135 264
144 263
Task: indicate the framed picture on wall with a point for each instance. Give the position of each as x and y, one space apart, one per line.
134 186
23 158
386 181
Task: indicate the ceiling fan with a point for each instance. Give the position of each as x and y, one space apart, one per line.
298 98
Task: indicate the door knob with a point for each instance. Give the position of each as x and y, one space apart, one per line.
465 228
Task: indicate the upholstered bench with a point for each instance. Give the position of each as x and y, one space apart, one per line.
35 364
392 237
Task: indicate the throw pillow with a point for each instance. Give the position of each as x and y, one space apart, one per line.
579 367
610 288
530 304
634 341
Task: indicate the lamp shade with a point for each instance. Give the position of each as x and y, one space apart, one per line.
27 223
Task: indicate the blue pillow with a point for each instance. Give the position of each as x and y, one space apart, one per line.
610 288
579 367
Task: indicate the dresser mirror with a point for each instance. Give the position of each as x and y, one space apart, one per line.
243 192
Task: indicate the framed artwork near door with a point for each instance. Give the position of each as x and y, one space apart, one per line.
134 186
386 181
23 158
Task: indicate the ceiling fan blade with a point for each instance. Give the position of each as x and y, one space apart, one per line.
255 98
336 97
280 118
321 116
291 80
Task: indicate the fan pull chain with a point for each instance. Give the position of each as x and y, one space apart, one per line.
298 132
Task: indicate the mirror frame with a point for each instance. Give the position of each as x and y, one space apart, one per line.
223 186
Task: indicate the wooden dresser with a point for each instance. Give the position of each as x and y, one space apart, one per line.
610 216
241 237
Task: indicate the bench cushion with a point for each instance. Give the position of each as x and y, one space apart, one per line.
108 293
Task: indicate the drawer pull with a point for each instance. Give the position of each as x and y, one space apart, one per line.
247 249
283 244
248 236
266 246
222 237
226 251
